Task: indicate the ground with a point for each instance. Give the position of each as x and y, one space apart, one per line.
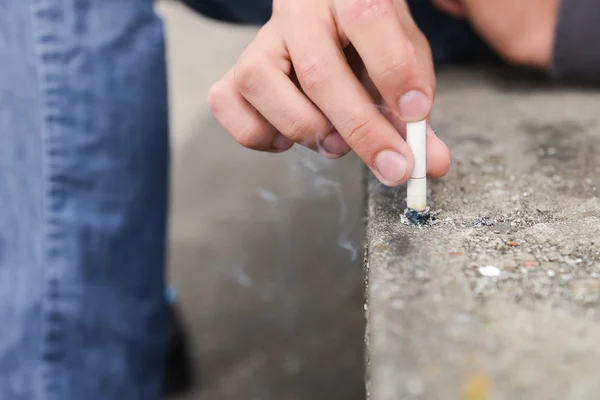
265 251
499 299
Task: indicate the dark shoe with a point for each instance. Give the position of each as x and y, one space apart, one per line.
179 374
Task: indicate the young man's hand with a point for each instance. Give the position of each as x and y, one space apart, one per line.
453 7
313 75
520 31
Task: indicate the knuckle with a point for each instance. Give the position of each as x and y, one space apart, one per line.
357 130
410 51
299 130
253 137
397 65
247 74
312 72
420 40
394 69
368 9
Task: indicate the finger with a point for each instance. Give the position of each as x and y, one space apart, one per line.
262 79
453 7
329 82
359 70
241 120
438 155
395 54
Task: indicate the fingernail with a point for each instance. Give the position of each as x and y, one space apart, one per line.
335 144
391 165
282 142
414 106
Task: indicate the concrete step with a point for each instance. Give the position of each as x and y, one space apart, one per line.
499 299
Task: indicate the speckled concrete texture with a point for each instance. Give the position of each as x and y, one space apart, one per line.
499 299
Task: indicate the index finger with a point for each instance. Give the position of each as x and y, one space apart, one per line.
395 53
329 82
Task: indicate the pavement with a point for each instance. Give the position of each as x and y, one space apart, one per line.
265 251
498 298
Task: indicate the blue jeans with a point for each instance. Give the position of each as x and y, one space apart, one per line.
83 186
83 191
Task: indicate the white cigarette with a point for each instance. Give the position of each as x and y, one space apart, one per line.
416 191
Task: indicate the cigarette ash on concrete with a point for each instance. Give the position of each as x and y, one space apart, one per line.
419 218
485 221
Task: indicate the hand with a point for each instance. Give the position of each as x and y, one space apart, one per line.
520 31
453 7
313 75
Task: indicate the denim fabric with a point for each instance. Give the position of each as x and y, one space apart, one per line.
83 184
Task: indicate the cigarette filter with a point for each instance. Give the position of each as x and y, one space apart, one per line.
416 192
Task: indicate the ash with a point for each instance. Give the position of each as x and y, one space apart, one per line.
485 221
419 218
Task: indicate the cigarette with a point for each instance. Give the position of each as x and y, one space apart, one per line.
416 190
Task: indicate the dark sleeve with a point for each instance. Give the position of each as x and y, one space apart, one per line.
255 12
576 56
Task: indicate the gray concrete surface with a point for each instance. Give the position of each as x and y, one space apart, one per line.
521 199
265 251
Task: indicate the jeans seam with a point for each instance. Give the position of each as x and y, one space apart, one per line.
46 16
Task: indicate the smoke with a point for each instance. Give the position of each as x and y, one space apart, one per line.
241 276
347 244
307 232
317 177
305 212
313 179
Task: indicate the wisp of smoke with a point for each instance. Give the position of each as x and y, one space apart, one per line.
313 176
